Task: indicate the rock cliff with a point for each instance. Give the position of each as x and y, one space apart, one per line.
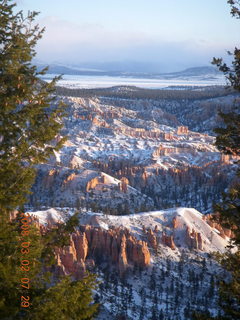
114 245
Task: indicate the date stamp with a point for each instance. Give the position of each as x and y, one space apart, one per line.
25 262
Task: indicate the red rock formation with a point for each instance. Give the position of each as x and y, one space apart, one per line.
194 239
80 269
123 185
174 223
223 232
167 136
138 252
68 257
109 244
88 233
116 245
114 250
81 245
71 177
92 184
168 241
122 260
152 239
182 130
104 179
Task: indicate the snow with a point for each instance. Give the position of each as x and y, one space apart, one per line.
78 81
186 217
52 215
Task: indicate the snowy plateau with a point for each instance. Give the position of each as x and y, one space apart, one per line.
135 169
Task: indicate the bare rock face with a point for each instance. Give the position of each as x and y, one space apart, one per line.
88 233
81 245
70 178
143 254
152 239
182 130
92 184
59 267
104 179
116 245
223 232
175 223
108 243
68 257
115 250
123 185
122 260
228 233
138 252
167 136
89 243
168 241
194 239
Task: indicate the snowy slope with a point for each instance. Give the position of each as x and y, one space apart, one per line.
185 217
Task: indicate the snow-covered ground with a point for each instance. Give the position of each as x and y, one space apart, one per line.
81 81
176 282
185 217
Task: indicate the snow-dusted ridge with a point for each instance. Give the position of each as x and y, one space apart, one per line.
185 218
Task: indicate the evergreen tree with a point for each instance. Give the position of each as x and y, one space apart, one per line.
29 114
30 119
228 141
66 300
43 295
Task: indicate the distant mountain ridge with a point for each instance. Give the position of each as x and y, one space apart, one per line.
203 71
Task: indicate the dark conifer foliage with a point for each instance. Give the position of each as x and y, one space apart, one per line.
30 119
229 209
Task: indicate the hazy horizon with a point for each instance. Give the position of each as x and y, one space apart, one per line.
153 36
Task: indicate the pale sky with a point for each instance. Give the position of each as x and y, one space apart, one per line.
152 35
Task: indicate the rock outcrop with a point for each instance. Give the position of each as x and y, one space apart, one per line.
223 232
69 262
168 241
122 260
182 130
152 239
92 184
194 239
81 245
70 178
90 243
123 184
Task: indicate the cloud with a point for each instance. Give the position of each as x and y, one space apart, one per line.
60 32
69 42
